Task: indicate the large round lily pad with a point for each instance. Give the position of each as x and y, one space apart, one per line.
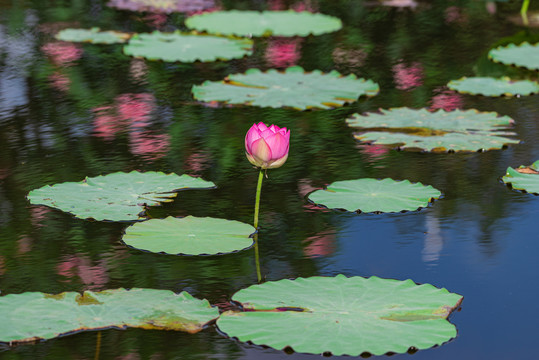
35 316
162 6
292 88
458 130
524 178
93 35
494 87
189 236
266 23
523 55
372 195
342 316
187 47
117 197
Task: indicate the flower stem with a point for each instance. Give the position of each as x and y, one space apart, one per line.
257 201
257 207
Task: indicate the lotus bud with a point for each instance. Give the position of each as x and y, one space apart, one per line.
267 147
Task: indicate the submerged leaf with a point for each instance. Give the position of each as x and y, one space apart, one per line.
458 130
292 88
118 196
93 35
342 316
35 316
189 236
266 23
187 47
370 195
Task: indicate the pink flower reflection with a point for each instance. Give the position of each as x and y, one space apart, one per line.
2 266
106 123
24 244
60 81
135 108
148 145
446 99
37 214
95 277
373 152
453 14
408 77
321 244
62 53
283 52
155 20
197 162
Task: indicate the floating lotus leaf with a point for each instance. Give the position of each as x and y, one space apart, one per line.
494 87
523 55
190 236
93 35
524 178
266 23
187 47
370 195
35 316
342 316
292 88
162 6
119 196
459 130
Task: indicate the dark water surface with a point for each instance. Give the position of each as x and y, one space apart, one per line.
56 105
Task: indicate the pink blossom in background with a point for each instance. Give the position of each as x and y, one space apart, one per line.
305 5
447 100
80 266
62 53
407 77
60 81
321 244
148 145
283 52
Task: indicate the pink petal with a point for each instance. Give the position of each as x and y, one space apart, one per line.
260 150
262 127
252 135
278 145
267 133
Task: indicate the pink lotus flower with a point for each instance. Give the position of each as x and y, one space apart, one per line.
267 147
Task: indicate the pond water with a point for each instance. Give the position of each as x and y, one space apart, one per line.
57 101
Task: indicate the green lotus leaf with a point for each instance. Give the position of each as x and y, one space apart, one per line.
342 316
117 197
524 178
162 6
187 47
458 130
372 195
93 35
35 316
266 23
292 88
494 87
189 236
523 55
